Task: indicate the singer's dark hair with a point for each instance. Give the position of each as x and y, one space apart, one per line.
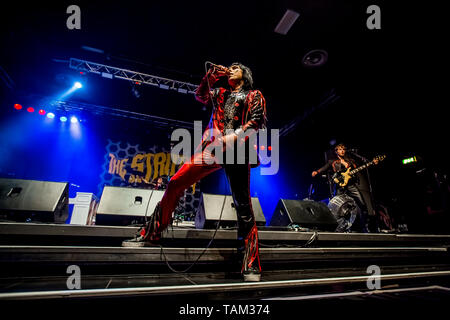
246 75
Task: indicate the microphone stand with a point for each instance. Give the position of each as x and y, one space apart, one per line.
369 181
367 169
359 156
330 183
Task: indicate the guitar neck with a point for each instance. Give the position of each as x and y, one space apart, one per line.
361 167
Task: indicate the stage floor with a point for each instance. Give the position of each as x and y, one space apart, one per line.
11 231
34 259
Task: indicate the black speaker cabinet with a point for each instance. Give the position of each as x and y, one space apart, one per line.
121 206
212 206
307 214
34 201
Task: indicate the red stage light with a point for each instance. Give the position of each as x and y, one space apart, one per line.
269 148
30 109
255 147
42 111
262 147
17 106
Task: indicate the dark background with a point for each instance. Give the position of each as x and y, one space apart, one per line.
388 83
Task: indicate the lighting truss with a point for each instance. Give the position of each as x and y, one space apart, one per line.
142 78
160 122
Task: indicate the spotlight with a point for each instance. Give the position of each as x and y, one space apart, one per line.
50 115
17 106
78 85
41 111
63 119
73 119
30 109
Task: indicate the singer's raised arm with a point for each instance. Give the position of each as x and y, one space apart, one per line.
203 93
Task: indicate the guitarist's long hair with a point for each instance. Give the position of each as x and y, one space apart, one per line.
346 157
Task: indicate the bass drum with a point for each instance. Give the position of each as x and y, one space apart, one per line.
345 210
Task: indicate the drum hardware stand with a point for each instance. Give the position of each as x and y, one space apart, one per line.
310 191
329 180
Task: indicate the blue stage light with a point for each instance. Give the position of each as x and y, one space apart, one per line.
50 115
63 119
78 85
73 119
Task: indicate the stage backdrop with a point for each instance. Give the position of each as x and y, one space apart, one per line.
108 151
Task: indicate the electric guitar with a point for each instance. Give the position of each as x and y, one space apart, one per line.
341 178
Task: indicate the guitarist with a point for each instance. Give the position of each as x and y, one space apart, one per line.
342 163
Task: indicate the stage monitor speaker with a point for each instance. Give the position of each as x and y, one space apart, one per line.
213 205
123 206
307 214
34 201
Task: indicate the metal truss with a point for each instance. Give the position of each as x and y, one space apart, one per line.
141 78
159 122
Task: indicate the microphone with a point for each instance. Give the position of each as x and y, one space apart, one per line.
221 68
355 153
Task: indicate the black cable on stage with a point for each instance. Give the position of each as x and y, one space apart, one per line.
308 243
221 211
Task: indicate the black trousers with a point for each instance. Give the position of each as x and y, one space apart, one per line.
238 176
353 192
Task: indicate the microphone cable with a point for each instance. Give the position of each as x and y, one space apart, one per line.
221 211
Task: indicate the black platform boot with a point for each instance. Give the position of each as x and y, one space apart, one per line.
149 234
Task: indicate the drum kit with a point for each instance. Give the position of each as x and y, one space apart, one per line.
157 184
345 210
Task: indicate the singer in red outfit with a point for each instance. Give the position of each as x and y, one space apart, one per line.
237 110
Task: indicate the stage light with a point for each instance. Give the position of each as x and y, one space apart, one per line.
30 109
107 75
286 22
409 160
17 106
77 85
269 148
50 115
41 111
262 147
73 119
63 119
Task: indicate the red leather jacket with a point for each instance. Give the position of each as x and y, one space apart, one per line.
249 107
